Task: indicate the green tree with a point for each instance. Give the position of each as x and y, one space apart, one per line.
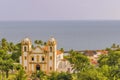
110 65
6 63
112 59
45 43
62 49
17 52
91 74
11 47
40 42
39 75
36 41
113 45
118 46
64 76
4 44
21 75
80 62
53 76
60 76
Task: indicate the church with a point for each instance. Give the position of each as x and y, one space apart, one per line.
45 58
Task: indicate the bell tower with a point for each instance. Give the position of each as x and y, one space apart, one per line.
52 46
26 48
26 45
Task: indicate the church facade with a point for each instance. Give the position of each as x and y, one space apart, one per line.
45 58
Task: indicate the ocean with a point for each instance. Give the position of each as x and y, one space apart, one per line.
77 34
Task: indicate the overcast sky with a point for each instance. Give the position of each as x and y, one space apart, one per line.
23 10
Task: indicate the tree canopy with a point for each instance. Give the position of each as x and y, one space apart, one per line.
108 67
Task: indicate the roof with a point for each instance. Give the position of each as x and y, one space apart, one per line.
93 61
59 52
103 51
45 48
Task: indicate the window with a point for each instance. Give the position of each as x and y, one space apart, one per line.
50 68
43 58
25 48
50 57
50 49
25 57
32 58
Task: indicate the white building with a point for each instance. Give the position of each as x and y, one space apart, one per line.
46 58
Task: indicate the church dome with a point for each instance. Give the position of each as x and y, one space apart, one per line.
52 40
26 41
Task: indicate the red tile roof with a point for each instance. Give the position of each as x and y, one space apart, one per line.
59 52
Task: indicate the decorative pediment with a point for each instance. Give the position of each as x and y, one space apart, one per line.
37 50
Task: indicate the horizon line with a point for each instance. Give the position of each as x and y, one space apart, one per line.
51 20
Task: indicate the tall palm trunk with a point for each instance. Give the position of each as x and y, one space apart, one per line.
7 74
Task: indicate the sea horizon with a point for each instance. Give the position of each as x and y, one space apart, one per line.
70 34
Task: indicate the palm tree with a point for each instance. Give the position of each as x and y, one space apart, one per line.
36 41
61 49
4 44
11 47
40 42
45 43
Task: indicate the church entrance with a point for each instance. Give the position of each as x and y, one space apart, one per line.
38 70
37 67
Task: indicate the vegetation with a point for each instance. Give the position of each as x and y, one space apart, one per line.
62 49
108 67
8 57
79 61
110 64
39 42
21 75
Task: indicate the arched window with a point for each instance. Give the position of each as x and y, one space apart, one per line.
25 48
50 49
32 58
43 58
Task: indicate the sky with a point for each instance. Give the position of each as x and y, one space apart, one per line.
17 15
35 10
